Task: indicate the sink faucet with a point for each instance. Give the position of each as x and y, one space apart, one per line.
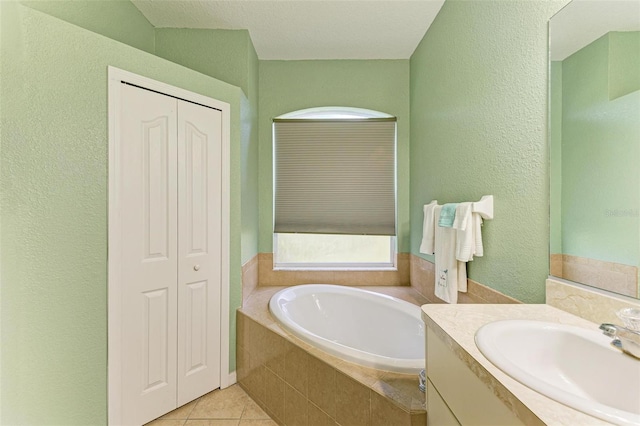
628 341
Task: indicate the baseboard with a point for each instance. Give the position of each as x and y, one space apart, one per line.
226 381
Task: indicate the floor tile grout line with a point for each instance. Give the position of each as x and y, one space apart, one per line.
246 403
220 418
192 408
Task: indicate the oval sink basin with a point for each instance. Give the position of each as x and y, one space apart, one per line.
574 366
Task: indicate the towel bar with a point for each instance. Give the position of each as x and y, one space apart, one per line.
484 207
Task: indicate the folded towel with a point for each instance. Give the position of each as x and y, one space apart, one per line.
447 215
451 275
465 235
462 216
428 228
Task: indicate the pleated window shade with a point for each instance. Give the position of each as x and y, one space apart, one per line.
335 176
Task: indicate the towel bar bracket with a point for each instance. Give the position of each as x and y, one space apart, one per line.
484 207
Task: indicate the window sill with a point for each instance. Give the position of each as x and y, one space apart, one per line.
349 268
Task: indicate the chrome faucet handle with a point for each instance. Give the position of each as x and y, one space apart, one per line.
613 330
627 340
609 330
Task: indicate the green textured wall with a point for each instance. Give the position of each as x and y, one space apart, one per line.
624 63
478 126
250 163
54 211
117 19
601 150
287 86
227 55
220 53
555 156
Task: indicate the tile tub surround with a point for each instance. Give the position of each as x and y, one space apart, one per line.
423 274
412 271
267 276
616 277
456 325
249 277
298 384
589 303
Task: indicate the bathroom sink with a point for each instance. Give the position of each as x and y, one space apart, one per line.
574 366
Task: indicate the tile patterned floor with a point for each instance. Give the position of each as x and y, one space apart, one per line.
226 407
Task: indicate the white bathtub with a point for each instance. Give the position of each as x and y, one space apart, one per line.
360 326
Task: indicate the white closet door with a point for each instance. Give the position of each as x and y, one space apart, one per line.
148 208
199 249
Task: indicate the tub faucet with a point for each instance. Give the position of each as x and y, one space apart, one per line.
628 341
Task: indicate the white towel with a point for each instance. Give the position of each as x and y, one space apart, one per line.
469 233
451 275
462 278
465 235
463 214
428 228
476 220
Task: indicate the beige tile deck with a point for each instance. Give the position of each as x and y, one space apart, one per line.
226 407
298 384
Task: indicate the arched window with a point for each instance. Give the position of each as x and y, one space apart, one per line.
334 188
334 113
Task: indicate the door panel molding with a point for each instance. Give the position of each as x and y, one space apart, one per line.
156 181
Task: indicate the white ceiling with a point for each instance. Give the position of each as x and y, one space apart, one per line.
307 29
583 21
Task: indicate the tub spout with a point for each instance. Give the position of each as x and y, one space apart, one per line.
423 380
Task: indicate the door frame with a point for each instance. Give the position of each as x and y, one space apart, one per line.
116 77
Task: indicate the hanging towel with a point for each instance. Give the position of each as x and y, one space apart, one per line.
462 278
468 226
447 215
451 275
465 233
476 220
428 228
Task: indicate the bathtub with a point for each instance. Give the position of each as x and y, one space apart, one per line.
367 328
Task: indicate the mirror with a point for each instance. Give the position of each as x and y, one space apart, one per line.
594 134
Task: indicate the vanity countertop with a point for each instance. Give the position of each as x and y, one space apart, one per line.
456 325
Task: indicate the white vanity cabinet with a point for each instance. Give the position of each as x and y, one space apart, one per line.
438 411
455 395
